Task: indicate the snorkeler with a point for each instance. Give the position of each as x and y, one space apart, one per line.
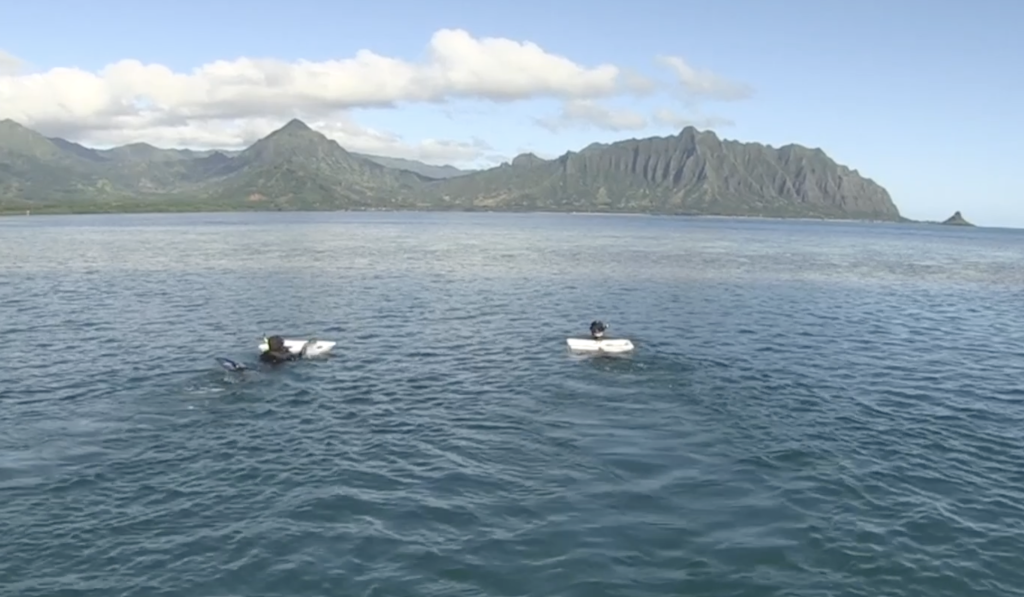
277 352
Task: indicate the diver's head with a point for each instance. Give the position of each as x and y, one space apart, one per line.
275 343
597 328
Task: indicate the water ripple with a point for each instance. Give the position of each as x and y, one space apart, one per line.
814 409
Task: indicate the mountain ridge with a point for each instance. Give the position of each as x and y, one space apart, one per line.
296 167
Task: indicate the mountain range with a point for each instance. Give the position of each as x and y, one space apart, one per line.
297 168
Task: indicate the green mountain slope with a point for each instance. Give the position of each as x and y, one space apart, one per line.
428 170
296 167
692 172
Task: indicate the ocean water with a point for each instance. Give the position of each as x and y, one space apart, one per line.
813 409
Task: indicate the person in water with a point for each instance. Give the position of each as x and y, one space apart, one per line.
597 329
277 352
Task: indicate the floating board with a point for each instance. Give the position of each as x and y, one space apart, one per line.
316 347
602 345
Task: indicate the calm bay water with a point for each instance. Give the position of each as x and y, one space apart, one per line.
813 408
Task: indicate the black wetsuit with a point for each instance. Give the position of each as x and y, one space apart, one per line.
277 353
597 329
275 357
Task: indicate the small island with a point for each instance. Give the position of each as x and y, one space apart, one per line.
956 220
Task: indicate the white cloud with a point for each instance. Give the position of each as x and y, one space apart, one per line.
361 139
587 113
669 118
240 133
136 95
230 103
9 63
702 84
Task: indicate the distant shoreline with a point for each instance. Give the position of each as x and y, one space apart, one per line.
68 211
151 210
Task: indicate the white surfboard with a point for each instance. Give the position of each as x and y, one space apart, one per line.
316 347
602 345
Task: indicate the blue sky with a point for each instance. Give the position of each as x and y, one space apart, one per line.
924 97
